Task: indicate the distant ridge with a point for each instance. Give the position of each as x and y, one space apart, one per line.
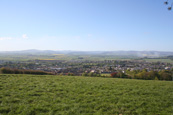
120 53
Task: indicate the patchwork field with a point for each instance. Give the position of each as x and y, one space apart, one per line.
34 94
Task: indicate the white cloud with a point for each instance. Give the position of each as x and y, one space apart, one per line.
5 38
24 36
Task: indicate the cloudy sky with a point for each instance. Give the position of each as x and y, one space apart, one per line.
85 25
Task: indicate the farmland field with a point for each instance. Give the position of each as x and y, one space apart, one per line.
48 94
159 60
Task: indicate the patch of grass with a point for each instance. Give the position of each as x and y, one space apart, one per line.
46 94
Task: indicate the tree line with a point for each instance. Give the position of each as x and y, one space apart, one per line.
4 70
137 74
150 75
91 74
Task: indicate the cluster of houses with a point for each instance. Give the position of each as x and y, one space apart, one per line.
77 67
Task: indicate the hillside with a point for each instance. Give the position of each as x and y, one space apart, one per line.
47 94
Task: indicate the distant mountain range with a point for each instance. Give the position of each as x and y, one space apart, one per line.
116 53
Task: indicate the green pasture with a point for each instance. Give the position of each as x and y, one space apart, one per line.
159 60
26 57
75 95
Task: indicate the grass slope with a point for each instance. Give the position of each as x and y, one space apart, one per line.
31 94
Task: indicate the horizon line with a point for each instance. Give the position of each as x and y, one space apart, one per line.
85 50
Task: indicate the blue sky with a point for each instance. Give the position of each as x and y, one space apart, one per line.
85 25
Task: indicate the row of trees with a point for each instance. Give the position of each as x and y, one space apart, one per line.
138 74
151 75
118 74
91 74
135 74
19 71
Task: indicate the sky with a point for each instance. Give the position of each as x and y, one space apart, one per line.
86 25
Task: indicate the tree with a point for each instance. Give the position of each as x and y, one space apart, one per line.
165 75
166 3
114 74
91 74
120 74
151 75
84 74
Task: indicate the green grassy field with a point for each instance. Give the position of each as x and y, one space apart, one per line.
70 95
159 60
25 57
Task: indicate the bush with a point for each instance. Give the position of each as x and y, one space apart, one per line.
84 74
70 74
